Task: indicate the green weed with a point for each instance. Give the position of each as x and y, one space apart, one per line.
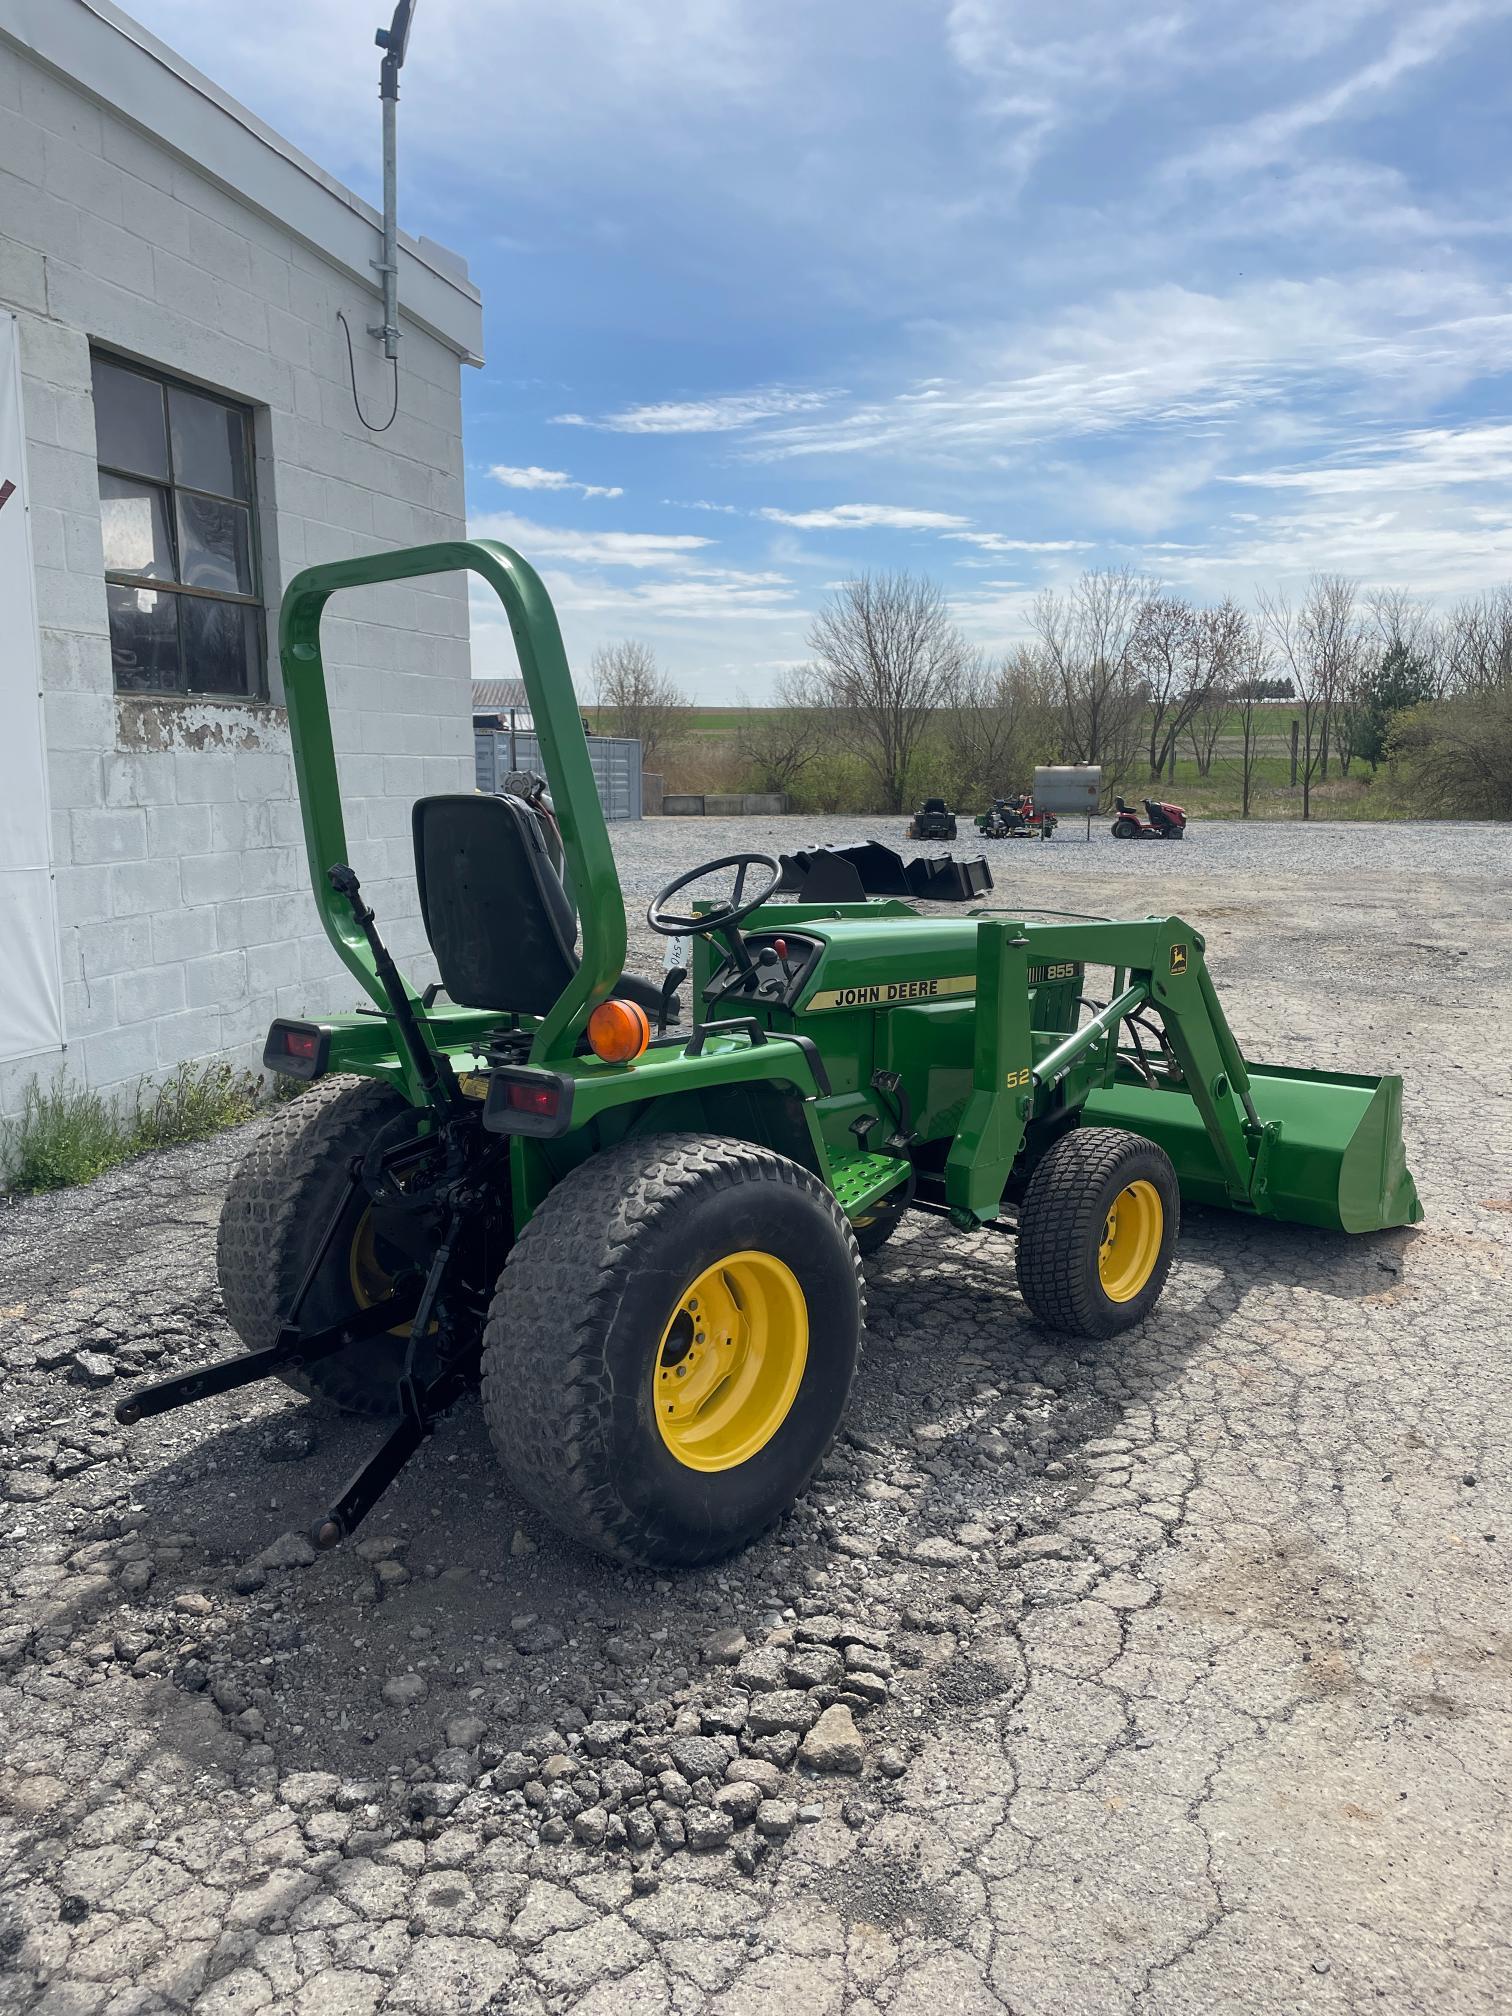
68 1133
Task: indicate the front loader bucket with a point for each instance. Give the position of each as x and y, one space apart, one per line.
1337 1159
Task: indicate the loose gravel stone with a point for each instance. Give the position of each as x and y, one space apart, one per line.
405 1690
834 1742
708 1827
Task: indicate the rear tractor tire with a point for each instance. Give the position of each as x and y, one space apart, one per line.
1097 1231
276 1211
1125 829
671 1346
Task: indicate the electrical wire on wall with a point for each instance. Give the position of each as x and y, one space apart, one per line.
371 425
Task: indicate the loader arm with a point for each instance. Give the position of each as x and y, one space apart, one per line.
548 685
1313 1147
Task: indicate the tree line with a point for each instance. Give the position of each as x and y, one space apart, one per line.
1121 672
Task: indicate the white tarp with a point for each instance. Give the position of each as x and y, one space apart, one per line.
31 1004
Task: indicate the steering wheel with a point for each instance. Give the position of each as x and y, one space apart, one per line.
671 925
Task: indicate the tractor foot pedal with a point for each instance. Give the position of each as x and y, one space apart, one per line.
291 1353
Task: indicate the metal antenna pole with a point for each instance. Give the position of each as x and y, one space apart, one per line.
393 41
388 265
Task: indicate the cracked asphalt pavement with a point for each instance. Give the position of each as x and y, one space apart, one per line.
1168 1675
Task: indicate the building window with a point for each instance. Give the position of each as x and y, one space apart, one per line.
180 523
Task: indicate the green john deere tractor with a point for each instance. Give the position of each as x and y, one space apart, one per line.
644 1243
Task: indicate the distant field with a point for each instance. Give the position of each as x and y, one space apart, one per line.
706 758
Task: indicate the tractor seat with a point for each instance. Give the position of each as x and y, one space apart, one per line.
497 916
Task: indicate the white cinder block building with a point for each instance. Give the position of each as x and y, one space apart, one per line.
179 435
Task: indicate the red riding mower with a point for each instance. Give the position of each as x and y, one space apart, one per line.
1164 822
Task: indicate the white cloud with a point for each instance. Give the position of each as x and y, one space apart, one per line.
699 504
852 517
534 478
1176 358
725 414
994 542
592 549
1423 38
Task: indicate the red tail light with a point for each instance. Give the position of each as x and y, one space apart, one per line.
541 1100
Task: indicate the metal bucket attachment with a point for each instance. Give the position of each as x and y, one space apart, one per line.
851 873
940 878
1337 1159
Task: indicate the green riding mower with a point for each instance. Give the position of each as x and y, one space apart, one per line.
644 1243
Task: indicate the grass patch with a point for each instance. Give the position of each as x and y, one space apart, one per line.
70 1134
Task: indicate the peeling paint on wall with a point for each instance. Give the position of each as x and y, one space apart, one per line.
200 724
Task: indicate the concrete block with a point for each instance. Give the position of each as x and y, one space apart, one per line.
272 870
67 601
116 253
205 776
137 886
83 542
186 1038
256 920
211 878
275 965
79 721
74 662
121 946
57 106
183 934
53 350
217 982
23 281
89 1006
116 1057
83 895
176 830
139 777
151 992
73 779
141 158
107 836
264 773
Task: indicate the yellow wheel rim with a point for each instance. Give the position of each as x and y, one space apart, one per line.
730 1361
370 1279
1130 1244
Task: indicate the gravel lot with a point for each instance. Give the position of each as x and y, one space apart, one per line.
1180 1667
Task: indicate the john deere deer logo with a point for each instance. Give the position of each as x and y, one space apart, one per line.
1178 958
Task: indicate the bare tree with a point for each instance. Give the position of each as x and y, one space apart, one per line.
996 722
1162 658
777 744
1318 642
886 652
1205 723
1212 642
636 698
1476 653
1087 637
1254 670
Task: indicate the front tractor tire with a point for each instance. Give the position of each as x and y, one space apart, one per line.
671 1346
276 1211
1097 1231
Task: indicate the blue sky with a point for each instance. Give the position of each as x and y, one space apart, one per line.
776 292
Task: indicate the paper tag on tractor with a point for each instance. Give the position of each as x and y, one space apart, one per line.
676 954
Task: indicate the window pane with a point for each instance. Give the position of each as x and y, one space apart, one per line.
209 444
134 517
129 426
144 640
215 544
220 646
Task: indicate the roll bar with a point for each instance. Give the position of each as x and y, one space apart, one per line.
559 728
